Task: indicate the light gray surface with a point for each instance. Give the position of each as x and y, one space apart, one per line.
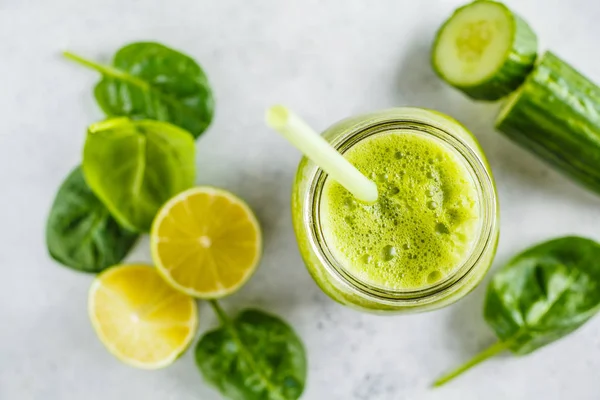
327 60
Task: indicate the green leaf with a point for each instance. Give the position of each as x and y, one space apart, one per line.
256 356
540 296
151 81
545 293
134 167
81 233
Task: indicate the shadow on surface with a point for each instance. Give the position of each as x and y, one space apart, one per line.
468 333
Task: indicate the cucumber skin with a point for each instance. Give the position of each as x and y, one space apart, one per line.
557 116
518 64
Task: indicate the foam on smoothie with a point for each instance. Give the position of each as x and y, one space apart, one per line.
425 222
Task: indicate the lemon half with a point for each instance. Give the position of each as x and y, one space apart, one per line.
139 318
206 242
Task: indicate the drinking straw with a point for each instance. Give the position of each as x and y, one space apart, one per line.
319 151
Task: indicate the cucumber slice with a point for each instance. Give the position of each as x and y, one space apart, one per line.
485 50
556 115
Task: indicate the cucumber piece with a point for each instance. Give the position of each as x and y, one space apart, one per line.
556 115
485 50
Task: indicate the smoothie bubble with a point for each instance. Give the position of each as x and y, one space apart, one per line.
381 178
434 276
388 253
442 228
350 203
366 259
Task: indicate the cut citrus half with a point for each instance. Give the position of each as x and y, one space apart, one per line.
139 318
206 242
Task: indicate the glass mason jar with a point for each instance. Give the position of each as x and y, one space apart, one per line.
350 290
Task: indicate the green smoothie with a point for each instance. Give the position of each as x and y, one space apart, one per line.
425 223
432 234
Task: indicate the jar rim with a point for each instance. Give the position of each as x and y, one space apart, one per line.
432 124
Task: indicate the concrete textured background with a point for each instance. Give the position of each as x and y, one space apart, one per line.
327 60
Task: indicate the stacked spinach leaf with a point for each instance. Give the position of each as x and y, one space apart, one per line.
157 101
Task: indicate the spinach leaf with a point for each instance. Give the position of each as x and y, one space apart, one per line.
81 233
255 356
151 81
134 167
540 296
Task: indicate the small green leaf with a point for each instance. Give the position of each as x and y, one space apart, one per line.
540 296
545 293
151 81
134 167
256 356
81 233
